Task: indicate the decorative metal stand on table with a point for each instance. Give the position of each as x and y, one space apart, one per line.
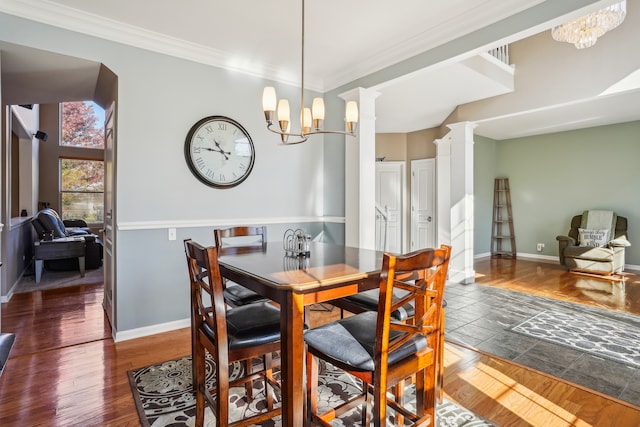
62 248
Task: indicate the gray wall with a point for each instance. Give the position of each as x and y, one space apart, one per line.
160 98
556 176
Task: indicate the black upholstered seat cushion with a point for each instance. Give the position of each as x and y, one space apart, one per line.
352 341
249 325
238 295
368 300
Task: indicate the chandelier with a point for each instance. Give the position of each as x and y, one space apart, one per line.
311 119
584 32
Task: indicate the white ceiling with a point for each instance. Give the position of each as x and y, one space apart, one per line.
344 41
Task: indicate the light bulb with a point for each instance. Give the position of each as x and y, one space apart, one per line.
305 119
284 114
351 113
269 99
318 108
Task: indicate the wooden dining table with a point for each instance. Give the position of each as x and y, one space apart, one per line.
295 282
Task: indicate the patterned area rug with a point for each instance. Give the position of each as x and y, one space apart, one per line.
589 333
164 397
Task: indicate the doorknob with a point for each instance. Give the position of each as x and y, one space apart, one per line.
429 219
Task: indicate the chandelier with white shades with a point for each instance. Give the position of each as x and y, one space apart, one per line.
584 32
311 119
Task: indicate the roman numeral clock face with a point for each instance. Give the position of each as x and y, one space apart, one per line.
219 152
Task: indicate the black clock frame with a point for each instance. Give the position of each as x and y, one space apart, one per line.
192 167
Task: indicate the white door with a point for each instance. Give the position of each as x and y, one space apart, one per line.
108 236
390 190
423 204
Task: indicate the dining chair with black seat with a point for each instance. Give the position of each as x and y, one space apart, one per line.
240 238
381 351
368 301
230 335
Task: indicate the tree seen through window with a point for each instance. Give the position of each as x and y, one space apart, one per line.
82 189
81 125
82 180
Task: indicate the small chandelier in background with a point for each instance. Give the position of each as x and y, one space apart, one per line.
584 32
311 119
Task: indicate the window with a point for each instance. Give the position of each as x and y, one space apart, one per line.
82 169
82 125
82 189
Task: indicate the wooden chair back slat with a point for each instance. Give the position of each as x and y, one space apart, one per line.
422 274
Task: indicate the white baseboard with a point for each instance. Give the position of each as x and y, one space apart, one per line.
6 298
632 267
482 255
151 330
545 258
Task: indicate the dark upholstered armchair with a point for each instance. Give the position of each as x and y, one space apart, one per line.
596 243
49 226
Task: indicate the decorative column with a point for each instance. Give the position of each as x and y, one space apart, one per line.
454 164
443 190
360 172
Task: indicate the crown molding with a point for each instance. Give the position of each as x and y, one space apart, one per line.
57 15
435 35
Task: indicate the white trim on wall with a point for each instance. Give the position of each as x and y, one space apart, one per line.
151 330
152 225
546 258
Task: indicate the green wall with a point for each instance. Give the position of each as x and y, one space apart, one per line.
555 176
484 172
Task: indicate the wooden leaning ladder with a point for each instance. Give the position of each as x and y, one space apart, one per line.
503 239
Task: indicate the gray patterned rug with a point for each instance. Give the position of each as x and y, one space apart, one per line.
482 318
586 332
164 397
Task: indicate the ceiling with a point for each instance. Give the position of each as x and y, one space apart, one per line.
344 41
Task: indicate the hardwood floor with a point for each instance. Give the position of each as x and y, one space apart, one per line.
65 370
511 395
553 281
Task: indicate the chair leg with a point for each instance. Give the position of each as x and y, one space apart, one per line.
248 386
222 398
425 392
440 362
365 418
399 397
268 376
379 405
199 384
311 407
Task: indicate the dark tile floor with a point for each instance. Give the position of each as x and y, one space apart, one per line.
480 317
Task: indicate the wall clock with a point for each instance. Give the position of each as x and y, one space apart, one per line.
219 152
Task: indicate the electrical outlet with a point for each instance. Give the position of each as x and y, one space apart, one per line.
540 247
172 234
